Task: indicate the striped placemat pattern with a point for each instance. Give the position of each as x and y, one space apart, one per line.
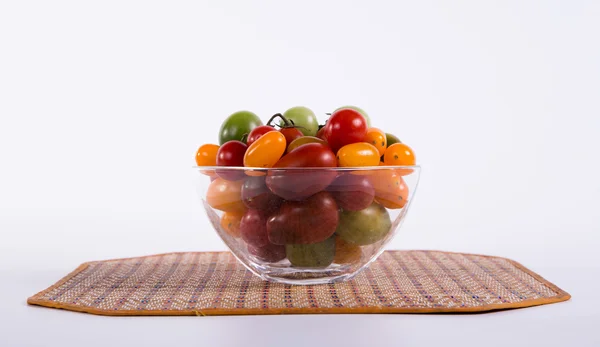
214 283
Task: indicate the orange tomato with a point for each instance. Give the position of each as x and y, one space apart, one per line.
399 154
207 155
265 151
390 189
230 222
377 138
345 252
225 195
358 154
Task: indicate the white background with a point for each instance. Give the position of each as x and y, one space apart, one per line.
103 105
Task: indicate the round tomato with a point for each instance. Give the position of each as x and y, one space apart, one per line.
346 253
304 118
390 189
358 154
304 140
352 192
266 151
258 132
256 195
270 253
231 154
364 227
377 138
399 154
291 134
207 155
225 195
253 228
345 126
359 110
238 124
230 222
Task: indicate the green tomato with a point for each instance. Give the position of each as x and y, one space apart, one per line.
304 119
391 139
315 255
238 124
364 227
359 110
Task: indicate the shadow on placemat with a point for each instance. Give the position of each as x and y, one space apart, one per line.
214 283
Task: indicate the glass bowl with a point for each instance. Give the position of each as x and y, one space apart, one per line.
307 225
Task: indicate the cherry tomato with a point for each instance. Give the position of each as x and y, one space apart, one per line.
207 155
304 140
253 228
377 138
225 195
291 134
266 151
399 154
238 124
364 227
360 110
390 189
270 253
230 222
299 184
258 132
304 118
256 195
304 222
231 154
345 126
351 192
358 154
321 134
345 252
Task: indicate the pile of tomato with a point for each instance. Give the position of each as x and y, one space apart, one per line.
304 209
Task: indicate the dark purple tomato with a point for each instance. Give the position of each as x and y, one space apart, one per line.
270 253
304 222
256 195
253 228
231 154
298 184
352 192
257 132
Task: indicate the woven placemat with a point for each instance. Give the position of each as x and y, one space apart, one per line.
214 283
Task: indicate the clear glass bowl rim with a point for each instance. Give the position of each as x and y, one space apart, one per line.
340 169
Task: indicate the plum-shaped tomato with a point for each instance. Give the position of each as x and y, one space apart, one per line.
304 222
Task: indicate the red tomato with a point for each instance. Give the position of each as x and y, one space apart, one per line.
291 134
321 133
258 132
309 155
299 184
304 222
345 126
231 154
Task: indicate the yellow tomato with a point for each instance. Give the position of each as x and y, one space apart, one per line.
390 189
358 154
399 154
377 138
346 253
207 155
265 151
230 222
